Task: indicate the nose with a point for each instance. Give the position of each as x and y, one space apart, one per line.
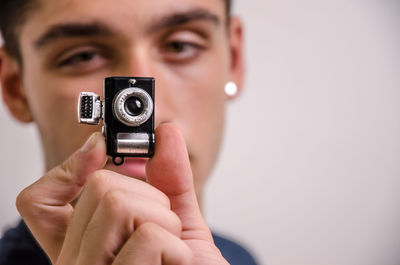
137 63
140 63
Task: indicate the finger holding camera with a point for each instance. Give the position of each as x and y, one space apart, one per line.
110 209
46 205
118 218
116 222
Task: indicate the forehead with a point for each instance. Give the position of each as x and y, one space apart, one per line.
123 16
117 11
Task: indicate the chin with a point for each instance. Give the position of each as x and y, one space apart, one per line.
133 167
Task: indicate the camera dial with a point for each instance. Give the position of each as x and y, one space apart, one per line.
133 106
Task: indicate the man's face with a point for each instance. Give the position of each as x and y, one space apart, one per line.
69 46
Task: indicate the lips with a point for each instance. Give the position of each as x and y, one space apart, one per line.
132 167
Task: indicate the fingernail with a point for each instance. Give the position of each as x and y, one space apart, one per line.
90 144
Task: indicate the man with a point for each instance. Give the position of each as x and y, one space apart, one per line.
85 210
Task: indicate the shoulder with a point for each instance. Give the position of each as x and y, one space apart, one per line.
234 253
18 247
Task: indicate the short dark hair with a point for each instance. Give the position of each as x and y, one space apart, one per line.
13 14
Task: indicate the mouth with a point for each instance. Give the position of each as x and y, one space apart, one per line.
133 167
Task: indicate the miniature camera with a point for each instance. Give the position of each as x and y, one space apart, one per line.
127 113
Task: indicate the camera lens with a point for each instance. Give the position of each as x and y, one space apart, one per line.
133 106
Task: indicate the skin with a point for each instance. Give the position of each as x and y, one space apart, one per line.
191 61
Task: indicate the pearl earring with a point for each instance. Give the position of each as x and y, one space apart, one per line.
231 89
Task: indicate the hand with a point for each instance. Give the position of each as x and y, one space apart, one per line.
120 220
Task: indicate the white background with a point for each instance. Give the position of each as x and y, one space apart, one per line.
309 172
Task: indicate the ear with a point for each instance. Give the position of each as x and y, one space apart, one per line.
12 89
237 67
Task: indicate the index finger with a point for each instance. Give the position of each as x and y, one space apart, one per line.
45 205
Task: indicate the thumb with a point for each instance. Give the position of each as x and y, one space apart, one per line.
169 171
45 205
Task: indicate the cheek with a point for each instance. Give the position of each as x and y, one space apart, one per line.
53 102
200 85
199 107
205 108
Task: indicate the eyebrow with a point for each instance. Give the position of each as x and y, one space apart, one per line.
98 29
73 30
184 17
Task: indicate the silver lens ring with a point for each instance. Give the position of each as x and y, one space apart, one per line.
119 106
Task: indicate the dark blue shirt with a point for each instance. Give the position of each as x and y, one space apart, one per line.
18 247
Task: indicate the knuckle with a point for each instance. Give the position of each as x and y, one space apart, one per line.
176 224
31 207
62 174
98 183
164 200
27 199
65 172
111 209
93 227
66 166
187 256
149 232
23 200
114 203
178 251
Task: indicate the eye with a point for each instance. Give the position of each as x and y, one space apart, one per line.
82 57
179 47
81 60
181 51
182 47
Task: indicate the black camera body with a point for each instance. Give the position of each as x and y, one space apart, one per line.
128 116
